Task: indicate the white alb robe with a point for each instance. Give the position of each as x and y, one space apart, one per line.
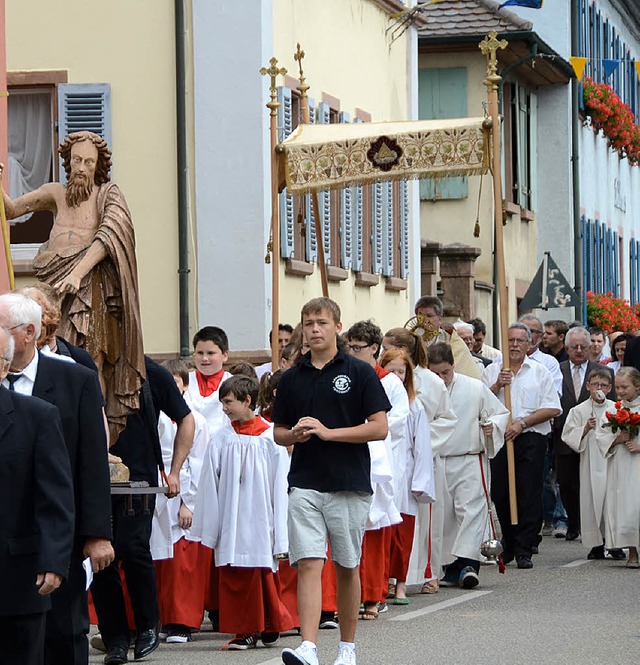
462 499
593 468
622 501
210 407
241 504
165 527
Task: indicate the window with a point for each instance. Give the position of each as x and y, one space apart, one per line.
443 94
634 270
600 258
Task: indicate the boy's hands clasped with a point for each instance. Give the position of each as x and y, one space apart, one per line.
306 427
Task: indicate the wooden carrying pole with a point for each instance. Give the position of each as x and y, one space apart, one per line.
489 47
317 220
273 247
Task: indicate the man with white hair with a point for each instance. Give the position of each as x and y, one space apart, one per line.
535 326
36 491
75 391
465 333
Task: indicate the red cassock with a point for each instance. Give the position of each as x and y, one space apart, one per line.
329 586
400 550
374 565
182 584
249 601
287 581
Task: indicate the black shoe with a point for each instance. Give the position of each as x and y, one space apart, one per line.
269 639
328 620
596 553
524 561
146 642
214 617
535 550
617 554
116 656
572 535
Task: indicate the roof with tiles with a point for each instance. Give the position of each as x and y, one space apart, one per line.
470 17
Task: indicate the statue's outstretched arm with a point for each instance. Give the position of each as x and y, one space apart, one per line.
42 198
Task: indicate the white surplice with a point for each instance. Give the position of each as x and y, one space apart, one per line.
433 395
165 527
462 500
241 504
210 407
593 468
622 501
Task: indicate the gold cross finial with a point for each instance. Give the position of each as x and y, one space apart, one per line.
298 57
273 71
489 47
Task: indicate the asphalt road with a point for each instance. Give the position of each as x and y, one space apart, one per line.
565 610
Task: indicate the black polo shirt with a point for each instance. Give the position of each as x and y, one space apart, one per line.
344 393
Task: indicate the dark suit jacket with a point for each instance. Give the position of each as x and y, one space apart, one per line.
569 400
632 353
36 494
75 390
81 356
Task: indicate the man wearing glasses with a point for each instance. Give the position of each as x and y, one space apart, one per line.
534 402
535 326
574 391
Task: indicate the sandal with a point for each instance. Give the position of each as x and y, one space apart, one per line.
633 564
432 586
391 593
400 601
370 611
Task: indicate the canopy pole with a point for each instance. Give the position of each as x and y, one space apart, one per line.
273 247
489 47
317 220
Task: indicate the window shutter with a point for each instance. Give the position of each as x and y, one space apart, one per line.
287 219
388 245
585 254
324 198
443 94
84 107
522 108
377 228
346 217
616 265
632 271
312 111
358 223
311 248
404 229
533 153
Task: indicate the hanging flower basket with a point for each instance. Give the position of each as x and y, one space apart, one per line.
610 313
605 111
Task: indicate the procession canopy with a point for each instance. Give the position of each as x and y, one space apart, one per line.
334 156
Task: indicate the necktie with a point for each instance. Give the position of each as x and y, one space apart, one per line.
577 381
12 378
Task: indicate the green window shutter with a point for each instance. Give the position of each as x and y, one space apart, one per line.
443 94
84 107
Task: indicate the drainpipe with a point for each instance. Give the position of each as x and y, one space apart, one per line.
580 311
183 217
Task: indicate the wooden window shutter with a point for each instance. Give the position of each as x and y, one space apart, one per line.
287 215
377 228
358 224
311 248
388 245
404 229
443 94
84 107
324 198
347 196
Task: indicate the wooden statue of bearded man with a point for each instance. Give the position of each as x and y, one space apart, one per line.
90 260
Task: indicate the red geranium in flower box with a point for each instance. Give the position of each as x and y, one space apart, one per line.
610 313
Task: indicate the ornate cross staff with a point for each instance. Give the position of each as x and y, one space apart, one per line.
273 246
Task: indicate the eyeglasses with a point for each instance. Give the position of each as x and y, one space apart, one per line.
579 347
17 326
519 341
356 348
535 332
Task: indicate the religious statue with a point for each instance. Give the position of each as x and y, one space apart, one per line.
90 260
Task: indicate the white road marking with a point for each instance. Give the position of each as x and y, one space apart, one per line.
272 661
574 564
440 606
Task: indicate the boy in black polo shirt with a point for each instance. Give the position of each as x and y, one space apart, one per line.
328 406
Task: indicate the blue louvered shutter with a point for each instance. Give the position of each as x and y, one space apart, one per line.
287 219
404 229
616 265
388 243
347 196
377 227
358 224
84 107
633 277
311 247
324 198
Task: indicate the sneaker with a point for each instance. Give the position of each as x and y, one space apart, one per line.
97 643
163 632
242 642
547 529
383 607
178 634
328 620
305 654
560 532
449 580
346 656
269 639
468 578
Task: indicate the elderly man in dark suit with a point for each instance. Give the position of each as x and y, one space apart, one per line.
574 391
75 391
36 531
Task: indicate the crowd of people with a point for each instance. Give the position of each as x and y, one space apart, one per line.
306 496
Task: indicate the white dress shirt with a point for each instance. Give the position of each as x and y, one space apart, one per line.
552 365
24 385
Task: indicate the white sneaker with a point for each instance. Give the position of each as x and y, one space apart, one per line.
305 654
346 656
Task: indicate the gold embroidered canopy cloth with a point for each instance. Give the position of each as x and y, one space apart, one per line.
321 157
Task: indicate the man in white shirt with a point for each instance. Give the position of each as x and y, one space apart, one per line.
535 326
534 402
